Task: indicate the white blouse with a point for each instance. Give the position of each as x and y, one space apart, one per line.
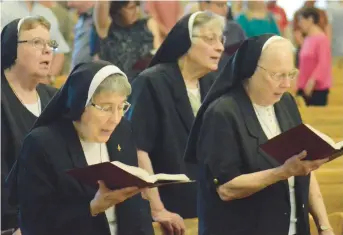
270 125
97 153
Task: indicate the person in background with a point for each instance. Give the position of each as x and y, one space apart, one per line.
82 32
280 16
125 40
165 13
233 32
241 189
165 99
26 57
299 35
81 126
315 68
256 19
11 10
66 21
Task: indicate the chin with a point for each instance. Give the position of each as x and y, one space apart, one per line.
102 139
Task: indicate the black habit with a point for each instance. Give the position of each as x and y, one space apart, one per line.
51 201
225 141
16 119
162 117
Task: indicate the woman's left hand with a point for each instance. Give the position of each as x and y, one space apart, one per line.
172 223
308 90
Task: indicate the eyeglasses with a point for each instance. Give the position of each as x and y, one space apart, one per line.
109 110
281 76
211 40
40 43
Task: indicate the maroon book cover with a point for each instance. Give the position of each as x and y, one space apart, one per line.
115 177
297 139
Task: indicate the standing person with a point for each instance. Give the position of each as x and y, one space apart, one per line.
165 100
315 68
241 189
166 14
81 126
125 40
26 57
280 16
256 19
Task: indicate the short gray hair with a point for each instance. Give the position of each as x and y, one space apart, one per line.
207 18
117 83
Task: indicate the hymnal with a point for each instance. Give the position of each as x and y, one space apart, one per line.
118 175
302 137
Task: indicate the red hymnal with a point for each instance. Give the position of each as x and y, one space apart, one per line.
118 175
302 137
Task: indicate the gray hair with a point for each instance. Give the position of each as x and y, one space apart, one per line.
114 83
207 18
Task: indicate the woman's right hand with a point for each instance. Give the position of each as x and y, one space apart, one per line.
296 166
106 198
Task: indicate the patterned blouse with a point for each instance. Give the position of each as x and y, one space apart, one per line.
126 46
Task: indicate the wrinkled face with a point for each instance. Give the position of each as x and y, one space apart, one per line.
274 74
207 47
130 12
305 24
34 55
217 7
102 116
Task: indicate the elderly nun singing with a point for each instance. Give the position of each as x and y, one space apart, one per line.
241 189
81 126
165 100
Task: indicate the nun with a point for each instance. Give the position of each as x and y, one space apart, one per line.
26 56
165 100
241 189
81 126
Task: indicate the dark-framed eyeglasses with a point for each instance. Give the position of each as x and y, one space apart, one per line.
211 40
281 76
108 109
40 43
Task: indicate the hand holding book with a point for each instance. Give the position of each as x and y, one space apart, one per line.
300 138
117 175
106 198
297 166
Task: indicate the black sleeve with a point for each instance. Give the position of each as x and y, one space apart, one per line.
42 209
218 148
144 115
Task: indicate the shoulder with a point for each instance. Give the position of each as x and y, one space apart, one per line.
43 135
154 74
48 89
225 106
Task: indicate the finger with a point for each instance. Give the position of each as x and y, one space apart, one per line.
177 228
167 226
102 187
302 155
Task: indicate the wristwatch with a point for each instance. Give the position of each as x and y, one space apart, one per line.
323 228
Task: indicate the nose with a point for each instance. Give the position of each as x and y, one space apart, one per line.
218 46
47 49
116 117
286 82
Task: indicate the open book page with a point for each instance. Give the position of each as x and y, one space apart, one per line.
326 138
144 175
133 170
176 177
